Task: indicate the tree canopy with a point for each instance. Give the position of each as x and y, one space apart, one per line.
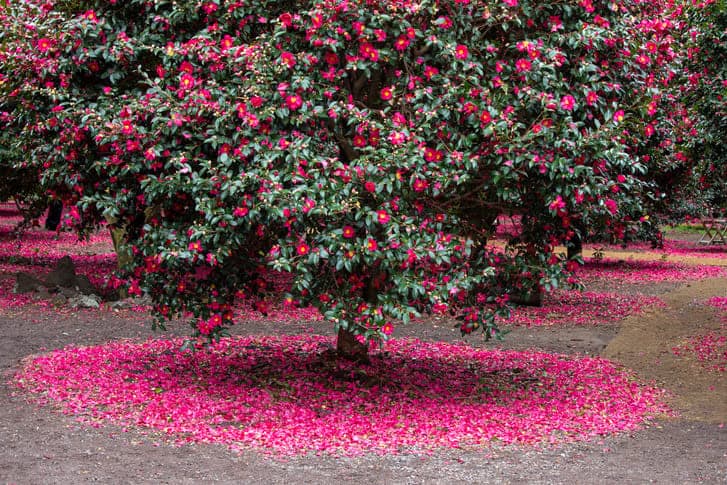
363 147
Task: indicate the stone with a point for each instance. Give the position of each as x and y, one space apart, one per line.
24 283
64 274
84 301
68 292
83 285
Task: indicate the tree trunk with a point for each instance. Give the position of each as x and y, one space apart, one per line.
123 254
349 348
534 297
575 248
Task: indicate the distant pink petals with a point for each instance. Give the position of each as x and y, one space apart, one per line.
587 308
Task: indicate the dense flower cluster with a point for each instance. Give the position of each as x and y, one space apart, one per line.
365 147
281 394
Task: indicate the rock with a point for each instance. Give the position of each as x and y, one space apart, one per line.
83 285
121 304
130 303
84 301
68 292
24 283
62 285
64 275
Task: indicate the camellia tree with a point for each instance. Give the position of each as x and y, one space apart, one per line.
704 95
363 147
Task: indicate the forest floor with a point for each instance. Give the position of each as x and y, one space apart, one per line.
42 445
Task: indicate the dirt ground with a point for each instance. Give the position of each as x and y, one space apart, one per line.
38 445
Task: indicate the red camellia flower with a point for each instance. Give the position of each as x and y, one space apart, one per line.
240 211
619 116
348 232
461 52
293 102
372 245
401 43
195 246
644 60
302 249
370 186
386 93
485 117
369 52
286 19
382 216
387 329
331 58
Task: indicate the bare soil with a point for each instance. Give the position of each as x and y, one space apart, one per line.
38 445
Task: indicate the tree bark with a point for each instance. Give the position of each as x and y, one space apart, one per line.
349 348
533 297
575 248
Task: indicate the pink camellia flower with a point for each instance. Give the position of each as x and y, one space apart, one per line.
611 206
523 65
461 52
557 205
430 71
567 102
382 216
288 58
619 116
387 93
387 329
44 44
293 102
420 185
187 81
397 138
195 246
308 205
